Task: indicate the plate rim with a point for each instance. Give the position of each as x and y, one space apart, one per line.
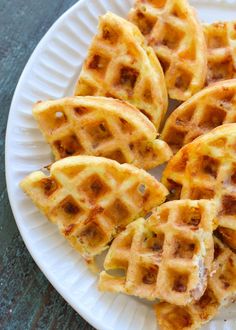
62 292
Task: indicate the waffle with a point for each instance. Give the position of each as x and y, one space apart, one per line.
100 126
212 107
220 291
174 32
205 168
168 256
220 38
119 65
91 199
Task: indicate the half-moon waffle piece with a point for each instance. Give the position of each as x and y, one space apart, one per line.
167 256
91 199
99 126
211 107
221 290
206 168
173 30
120 65
220 38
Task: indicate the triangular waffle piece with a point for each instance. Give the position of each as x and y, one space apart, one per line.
220 38
187 250
206 168
211 107
167 256
220 291
100 126
119 65
91 199
173 30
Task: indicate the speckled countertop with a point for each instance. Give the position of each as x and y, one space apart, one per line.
27 299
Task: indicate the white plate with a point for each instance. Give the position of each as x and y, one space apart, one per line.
51 73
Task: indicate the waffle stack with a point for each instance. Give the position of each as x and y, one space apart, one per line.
171 242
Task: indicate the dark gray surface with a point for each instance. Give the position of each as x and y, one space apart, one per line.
27 300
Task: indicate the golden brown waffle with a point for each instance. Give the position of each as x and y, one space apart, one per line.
119 65
220 291
91 199
168 256
220 38
174 32
212 107
206 168
100 126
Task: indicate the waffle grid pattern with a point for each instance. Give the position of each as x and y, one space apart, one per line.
205 169
119 65
220 291
99 126
91 199
208 109
164 258
221 44
173 31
